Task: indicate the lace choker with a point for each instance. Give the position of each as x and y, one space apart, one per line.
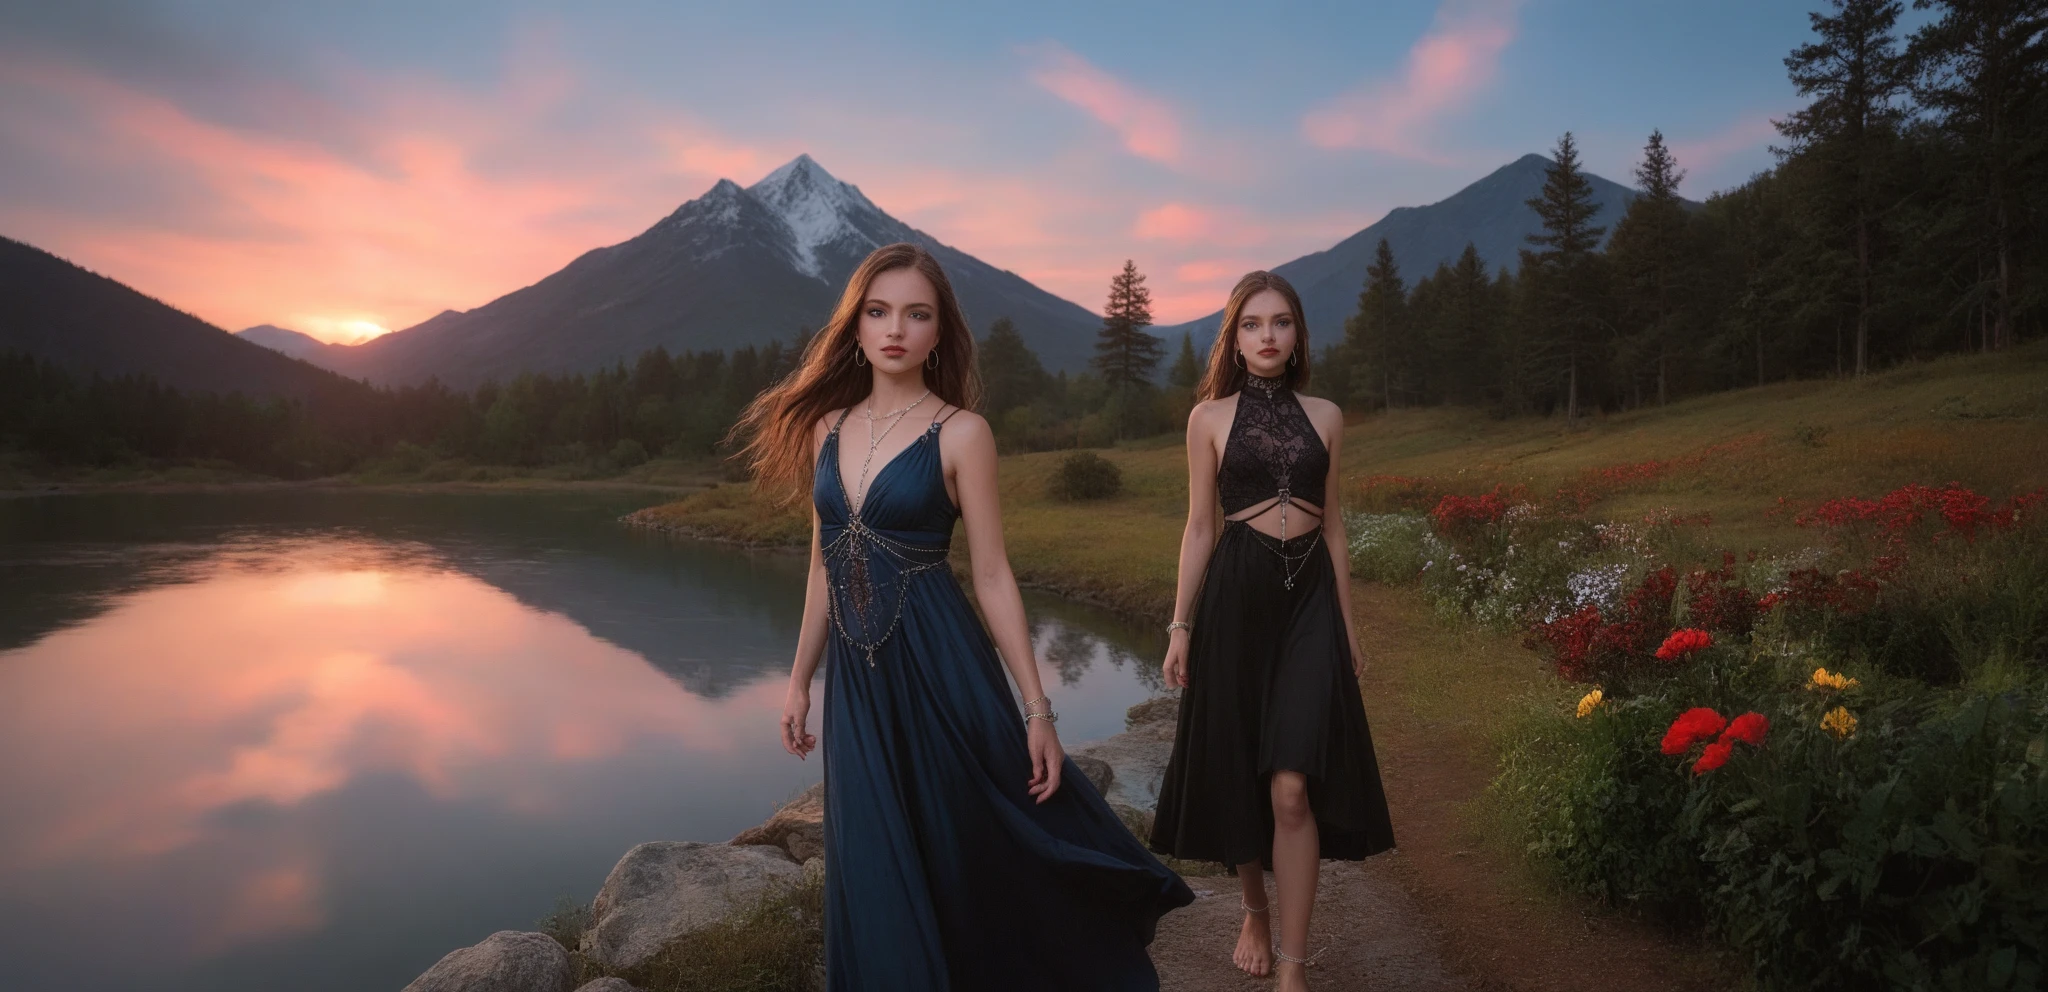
1263 384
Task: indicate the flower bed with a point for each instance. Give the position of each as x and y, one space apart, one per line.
1835 759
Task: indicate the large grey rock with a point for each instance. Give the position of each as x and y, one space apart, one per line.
607 984
506 961
1157 710
1137 757
798 828
664 890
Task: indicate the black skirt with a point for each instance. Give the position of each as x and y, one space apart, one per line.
1270 689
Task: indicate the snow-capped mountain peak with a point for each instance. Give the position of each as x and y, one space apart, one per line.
818 209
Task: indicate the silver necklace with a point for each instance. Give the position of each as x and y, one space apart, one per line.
860 488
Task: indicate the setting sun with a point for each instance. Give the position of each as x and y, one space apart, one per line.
342 330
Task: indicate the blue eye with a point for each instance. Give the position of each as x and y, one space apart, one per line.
874 312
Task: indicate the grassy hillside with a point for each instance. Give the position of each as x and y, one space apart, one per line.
1978 420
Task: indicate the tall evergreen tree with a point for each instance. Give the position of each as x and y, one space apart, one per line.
1650 259
1982 67
1187 369
1465 323
1567 279
1124 354
1011 375
1377 335
1855 73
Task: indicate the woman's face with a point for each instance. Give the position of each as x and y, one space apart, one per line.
899 320
1265 333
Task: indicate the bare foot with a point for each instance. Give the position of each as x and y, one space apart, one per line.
1254 954
1293 978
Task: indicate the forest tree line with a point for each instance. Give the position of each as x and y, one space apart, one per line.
1901 220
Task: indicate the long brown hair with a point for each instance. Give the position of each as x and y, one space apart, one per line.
776 426
1225 375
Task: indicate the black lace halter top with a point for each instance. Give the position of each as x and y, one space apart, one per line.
1272 453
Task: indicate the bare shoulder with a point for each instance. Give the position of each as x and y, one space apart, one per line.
965 427
1210 413
823 428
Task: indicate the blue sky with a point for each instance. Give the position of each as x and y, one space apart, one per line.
344 167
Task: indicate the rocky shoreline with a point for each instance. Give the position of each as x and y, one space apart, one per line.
662 892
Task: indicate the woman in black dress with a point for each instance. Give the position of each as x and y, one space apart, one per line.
1273 762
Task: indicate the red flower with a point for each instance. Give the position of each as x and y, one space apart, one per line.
1714 757
1683 642
1691 727
1749 728
1770 599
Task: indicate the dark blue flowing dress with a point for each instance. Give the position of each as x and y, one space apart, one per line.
942 872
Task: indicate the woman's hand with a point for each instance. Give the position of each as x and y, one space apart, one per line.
1176 667
796 709
1047 758
1357 663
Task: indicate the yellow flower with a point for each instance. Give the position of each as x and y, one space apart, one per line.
1589 702
1824 679
1838 722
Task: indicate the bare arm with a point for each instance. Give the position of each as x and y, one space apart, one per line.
969 448
810 638
1334 536
1197 540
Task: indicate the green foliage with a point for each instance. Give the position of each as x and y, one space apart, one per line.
628 453
1391 547
567 923
1908 855
1086 475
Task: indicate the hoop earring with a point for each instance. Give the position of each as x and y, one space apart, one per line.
1237 358
1290 359
858 358
931 359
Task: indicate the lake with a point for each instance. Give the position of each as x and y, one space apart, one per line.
316 739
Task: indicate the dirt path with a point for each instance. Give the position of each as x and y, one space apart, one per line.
1445 911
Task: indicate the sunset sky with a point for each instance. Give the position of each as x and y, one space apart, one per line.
340 168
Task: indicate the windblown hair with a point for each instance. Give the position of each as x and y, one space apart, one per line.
776 426
1225 375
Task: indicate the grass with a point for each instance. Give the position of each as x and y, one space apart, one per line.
1980 420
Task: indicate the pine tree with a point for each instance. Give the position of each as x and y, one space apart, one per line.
1650 260
1124 353
1983 68
1468 312
1187 370
1377 334
1011 375
1567 281
1855 73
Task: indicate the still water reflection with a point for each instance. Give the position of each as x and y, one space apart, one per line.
314 741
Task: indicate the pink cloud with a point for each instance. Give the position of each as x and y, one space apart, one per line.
1180 221
401 224
1147 125
1704 153
1445 69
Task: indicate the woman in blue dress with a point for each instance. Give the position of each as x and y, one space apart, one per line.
963 850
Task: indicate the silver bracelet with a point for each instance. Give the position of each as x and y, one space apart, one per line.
1180 625
1048 717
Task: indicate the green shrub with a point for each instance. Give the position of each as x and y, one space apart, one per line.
1391 548
628 453
567 923
1911 854
1086 475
